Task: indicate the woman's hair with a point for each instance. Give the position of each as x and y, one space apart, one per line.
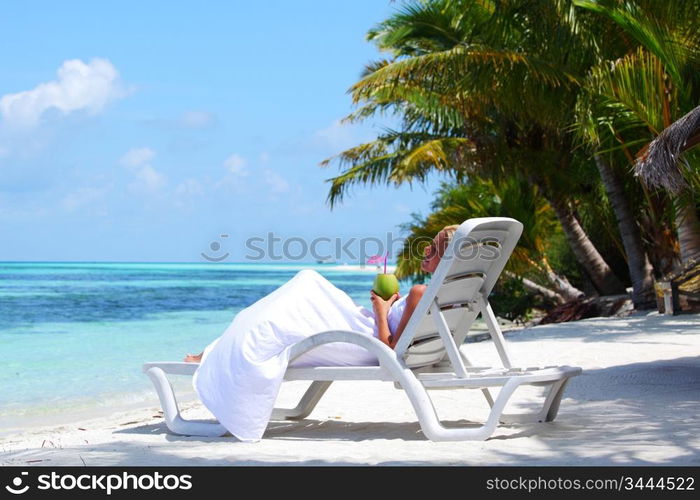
449 231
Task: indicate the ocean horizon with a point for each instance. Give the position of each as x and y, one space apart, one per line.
75 334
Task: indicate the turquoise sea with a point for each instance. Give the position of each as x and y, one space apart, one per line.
74 335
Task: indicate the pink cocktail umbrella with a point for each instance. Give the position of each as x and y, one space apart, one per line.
376 259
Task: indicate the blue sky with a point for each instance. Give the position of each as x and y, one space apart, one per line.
142 131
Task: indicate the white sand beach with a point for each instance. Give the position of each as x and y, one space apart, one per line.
636 403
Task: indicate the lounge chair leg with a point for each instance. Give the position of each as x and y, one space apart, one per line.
430 423
439 433
487 395
551 404
171 412
549 410
306 405
485 391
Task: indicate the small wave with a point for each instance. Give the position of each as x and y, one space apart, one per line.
358 267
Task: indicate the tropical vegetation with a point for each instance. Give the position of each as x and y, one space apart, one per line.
538 110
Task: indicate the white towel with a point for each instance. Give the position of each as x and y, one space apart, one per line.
241 371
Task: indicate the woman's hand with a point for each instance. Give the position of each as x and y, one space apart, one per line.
381 307
381 315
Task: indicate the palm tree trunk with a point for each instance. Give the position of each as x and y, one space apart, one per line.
562 286
531 286
663 253
688 228
585 251
640 269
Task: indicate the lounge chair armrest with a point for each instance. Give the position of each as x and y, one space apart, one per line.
383 352
172 367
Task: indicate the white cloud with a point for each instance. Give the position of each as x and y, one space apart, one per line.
236 172
187 193
276 182
81 197
236 165
402 209
18 211
78 87
336 136
189 187
137 157
196 119
146 178
264 158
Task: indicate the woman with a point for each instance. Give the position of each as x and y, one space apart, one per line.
392 315
240 372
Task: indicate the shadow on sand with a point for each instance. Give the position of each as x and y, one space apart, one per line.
615 412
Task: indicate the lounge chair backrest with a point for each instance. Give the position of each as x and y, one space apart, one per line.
458 290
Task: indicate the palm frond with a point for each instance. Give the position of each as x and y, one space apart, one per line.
421 27
474 66
636 84
395 158
646 30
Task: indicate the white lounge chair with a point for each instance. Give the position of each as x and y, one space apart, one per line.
429 354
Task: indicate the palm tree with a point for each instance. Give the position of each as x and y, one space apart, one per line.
641 93
483 89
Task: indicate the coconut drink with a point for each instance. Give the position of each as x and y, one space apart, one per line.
385 284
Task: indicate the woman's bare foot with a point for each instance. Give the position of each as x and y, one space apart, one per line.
194 358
